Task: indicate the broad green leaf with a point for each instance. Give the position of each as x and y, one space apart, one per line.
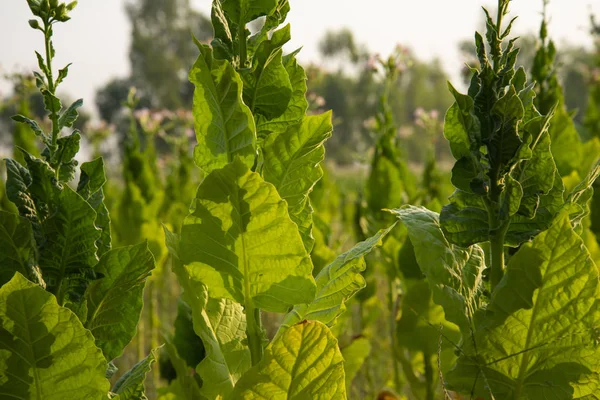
44 187
68 256
461 126
505 140
220 324
64 160
454 273
569 152
240 242
131 385
297 106
114 302
303 363
267 86
538 337
228 321
218 376
90 187
336 283
51 102
224 125
465 220
18 179
45 352
355 355
536 175
292 164
523 228
18 252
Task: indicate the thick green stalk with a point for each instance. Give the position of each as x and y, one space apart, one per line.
497 249
243 44
254 333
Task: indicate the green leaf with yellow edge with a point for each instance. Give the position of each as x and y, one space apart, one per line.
45 352
114 302
538 336
292 164
241 243
224 125
302 363
297 106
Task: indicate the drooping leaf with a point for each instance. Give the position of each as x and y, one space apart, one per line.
336 283
292 164
454 273
224 125
18 252
131 385
90 187
29 122
69 116
241 243
303 363
114 302
538 336
45 352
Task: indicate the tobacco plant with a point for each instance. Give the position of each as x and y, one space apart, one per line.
244 250
527 310
69 302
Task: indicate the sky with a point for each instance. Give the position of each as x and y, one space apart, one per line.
96 40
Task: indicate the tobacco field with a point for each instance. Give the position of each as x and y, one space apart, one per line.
242 225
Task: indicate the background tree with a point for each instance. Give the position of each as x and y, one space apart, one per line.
160 56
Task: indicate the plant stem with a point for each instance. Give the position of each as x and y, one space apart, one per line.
242 40
393 313
497 249
254 333
429 382
51 86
